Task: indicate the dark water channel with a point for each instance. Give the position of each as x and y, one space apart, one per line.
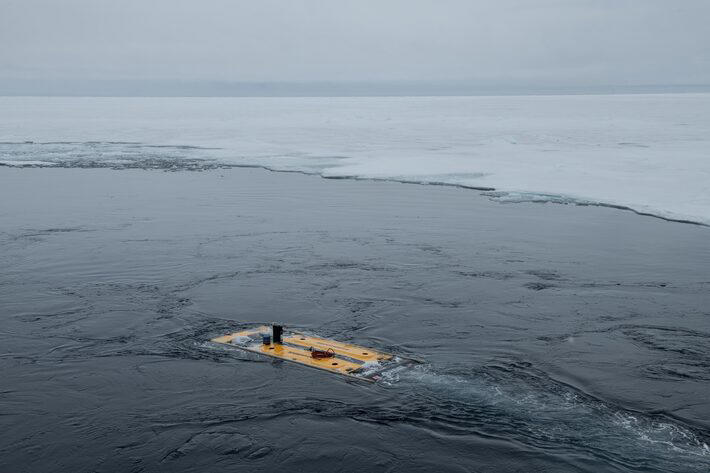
557 338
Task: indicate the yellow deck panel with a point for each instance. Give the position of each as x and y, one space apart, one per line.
304 357
347 349
296 348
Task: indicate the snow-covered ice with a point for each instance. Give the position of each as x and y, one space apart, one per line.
650 153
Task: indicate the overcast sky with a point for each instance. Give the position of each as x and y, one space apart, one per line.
516 41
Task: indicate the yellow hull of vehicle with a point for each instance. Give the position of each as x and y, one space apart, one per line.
349 360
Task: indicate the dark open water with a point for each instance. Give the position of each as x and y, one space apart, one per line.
557 338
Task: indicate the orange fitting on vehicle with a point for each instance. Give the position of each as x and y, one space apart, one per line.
329 353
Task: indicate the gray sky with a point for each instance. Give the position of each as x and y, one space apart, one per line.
512 41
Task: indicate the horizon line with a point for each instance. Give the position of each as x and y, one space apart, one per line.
361 88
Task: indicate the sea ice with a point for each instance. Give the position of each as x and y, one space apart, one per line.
650 153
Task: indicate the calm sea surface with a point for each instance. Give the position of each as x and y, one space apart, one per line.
556 338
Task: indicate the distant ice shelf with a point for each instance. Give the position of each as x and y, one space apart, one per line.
27 163
647 153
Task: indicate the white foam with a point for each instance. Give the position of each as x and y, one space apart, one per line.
242 341
646 152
